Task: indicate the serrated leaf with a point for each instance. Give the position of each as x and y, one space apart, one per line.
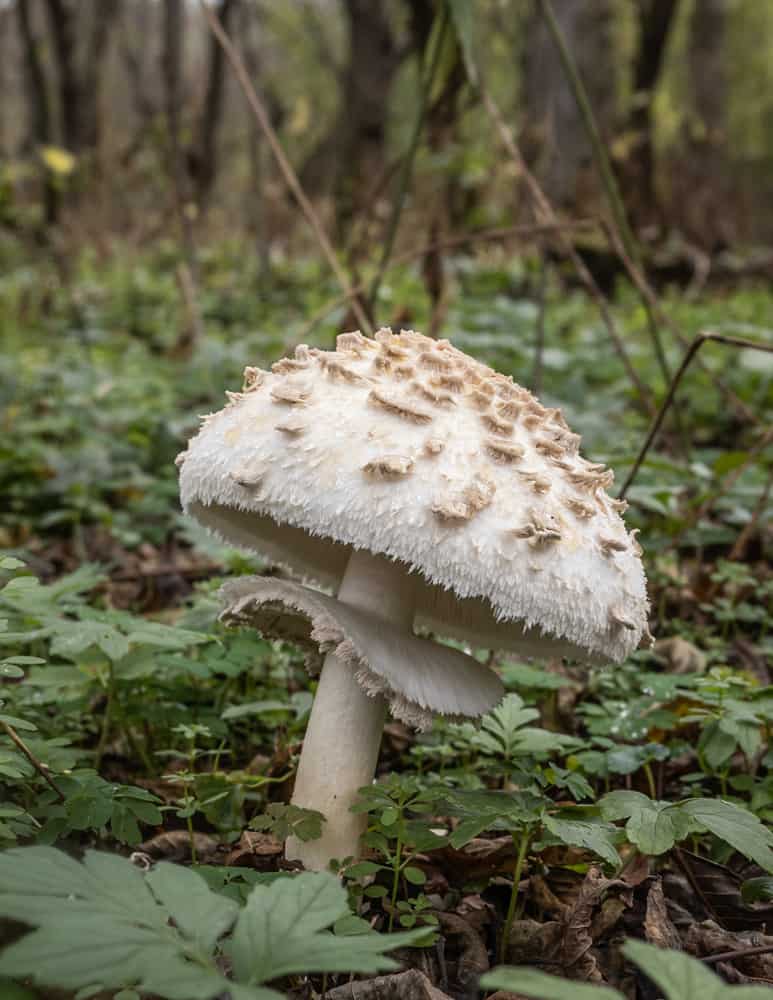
735 826
541 986
596 837
678 975
200 915
281 931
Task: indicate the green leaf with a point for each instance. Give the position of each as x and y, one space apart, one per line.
463 19
541 986
684 978
757 890
735 826
414 875
596 837
96 922
200 915
281 931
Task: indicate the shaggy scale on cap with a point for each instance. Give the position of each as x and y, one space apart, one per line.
406 447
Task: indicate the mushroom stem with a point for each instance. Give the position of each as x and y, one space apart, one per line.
340 750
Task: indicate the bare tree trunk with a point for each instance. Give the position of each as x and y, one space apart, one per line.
172 70
348 158
705 195
638 170
555 140
36 92
79 83
203 156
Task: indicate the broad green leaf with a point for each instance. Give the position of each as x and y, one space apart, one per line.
736 826
541 986
198 912
684 978
281 931
596 837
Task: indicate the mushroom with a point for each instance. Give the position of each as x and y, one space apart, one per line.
417 517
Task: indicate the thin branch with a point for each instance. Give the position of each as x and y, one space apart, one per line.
286 168
406 169
483 236
545 213
604 167
739 547
698 342
652 305
594 136
539 346
729 956
40 768
727 484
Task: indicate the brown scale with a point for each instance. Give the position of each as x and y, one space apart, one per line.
503 452
496 424
619 506
591 481
399 407
580 507
404 371
609 546
253 378
531 421
619 619
509 409
292 425
296 394
554 449
340 372
436 362
637 549
354 343
476 497
289 366
480 399
433 446
539 483
541 529
389 467
449 381
434 395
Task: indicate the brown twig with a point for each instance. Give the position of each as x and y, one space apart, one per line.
701 339
730 480
653 307
286 168
546 214
539 346
451 242
729 956
23 748
739 546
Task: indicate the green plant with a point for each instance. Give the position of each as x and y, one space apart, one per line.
102 925
679 976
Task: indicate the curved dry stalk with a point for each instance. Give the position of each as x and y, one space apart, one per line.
701 339
286 168
547 214
483 236
42 770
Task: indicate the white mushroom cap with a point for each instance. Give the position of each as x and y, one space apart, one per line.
408 448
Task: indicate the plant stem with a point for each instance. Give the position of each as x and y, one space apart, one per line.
107 718
397 868
39 767
522 846
651 782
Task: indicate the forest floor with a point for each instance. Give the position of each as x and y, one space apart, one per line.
592 807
